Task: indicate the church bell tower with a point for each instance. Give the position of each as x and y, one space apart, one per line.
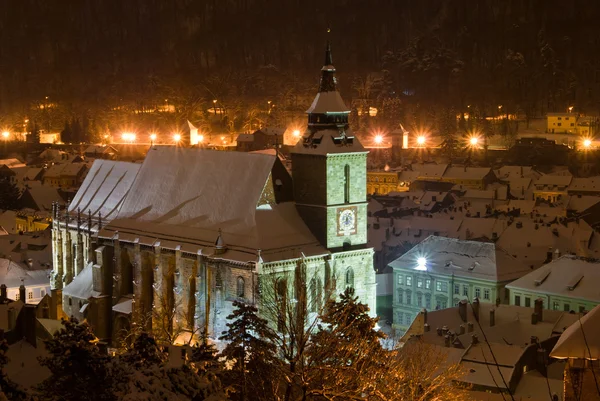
329 168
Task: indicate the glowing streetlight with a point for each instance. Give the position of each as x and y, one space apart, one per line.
570 109
128 137
474 140
176 137
153 137
296 132
378 139
421 263
200 138
421 140
587 143
5 135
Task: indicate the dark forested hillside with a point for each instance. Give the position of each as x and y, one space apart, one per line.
534 55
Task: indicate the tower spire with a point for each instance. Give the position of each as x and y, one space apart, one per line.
328 57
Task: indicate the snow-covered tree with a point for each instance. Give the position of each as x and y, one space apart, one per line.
80 372
251 354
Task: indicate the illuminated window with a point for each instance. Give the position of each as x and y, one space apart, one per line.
346 183
486 293
457 289
241 287
400 279
408 280
419 283
427 284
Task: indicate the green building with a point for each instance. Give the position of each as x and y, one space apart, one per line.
568 283
439 272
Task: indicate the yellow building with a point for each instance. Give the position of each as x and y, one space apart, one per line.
382 182
552 187
29 221
562 123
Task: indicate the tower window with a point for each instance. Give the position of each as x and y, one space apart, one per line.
346 183
240 287
350 278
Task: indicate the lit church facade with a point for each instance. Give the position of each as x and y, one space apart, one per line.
171 243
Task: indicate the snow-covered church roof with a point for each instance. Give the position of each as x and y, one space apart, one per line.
104 188
183 197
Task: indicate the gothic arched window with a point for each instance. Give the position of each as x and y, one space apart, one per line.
347 183
241 287
350 278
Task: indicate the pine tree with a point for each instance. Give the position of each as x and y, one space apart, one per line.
204 357
9 195
250 352
144 353
345 354
80 372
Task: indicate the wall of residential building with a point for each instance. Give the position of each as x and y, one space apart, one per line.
433 291
521 297
562 124
381 183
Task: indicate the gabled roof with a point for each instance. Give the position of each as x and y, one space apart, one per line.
104 188
42 197
589 184
182 197
245 138
467 173
82 285
430 170
581 339
100 149
11 163
567 276
469 259
12 273
554 180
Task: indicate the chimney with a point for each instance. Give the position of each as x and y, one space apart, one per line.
470 327
534 318
424 313
474 339
539 308
22 293
426 328
445 330
462 310
3 293
556 254
476 308
534 340
461 329
439 331
446 340
492 318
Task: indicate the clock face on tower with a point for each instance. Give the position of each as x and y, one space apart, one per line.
346 221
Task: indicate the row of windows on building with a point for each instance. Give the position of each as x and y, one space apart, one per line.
442 286
421 300
29 295
566 307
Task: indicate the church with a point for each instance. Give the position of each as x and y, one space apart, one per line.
169 244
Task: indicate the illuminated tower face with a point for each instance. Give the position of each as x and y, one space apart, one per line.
329 167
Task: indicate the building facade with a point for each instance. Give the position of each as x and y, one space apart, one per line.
139 244
440 272
568 283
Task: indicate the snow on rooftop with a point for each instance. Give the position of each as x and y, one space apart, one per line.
13 275
105 188
11 163
210 191
124 305
467 173
554 180
23 366
449 256
429 170
555 277
82 285
328 102
43 196
581 339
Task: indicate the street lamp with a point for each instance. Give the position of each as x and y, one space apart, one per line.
176 137
296 132
378 139
421 140
570 109
587 143
200 138
152 138
5 135
474 140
